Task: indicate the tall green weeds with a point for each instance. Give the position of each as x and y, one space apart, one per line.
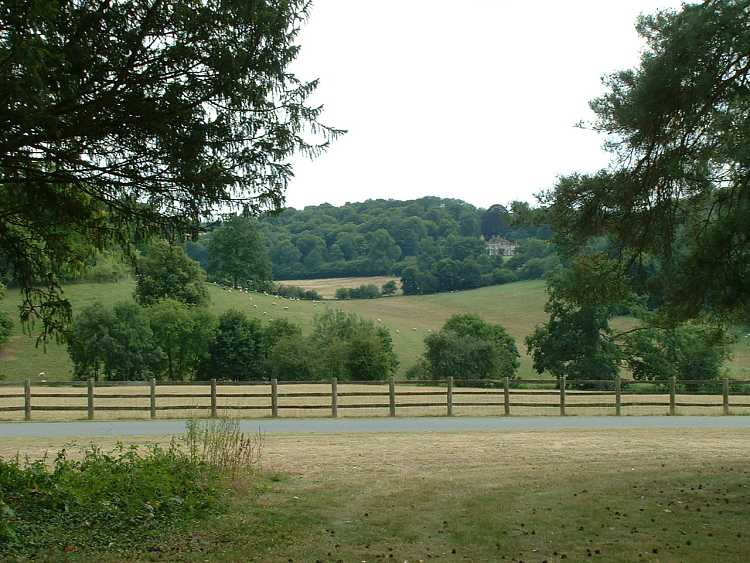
127 499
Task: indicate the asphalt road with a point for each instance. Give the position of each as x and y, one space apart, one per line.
351 425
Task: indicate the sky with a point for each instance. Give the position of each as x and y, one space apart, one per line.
469 99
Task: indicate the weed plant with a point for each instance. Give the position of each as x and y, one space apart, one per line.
124 500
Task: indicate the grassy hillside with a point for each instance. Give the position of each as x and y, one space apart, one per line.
518 307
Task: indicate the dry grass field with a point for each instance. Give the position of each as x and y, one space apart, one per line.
197 398
327 287
621 496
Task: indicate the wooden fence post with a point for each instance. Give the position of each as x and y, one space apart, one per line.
274 398
153 397
91 398
334 398
725 395
506 395
392 397
27 400
672 395
449 396
214 409
562 396
618 396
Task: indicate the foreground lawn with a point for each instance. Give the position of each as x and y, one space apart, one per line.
636 495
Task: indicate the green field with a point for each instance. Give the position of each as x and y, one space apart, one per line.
519 307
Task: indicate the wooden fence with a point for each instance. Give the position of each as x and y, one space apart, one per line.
504 397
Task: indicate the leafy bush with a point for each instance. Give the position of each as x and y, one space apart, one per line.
342 345
365 291
122 499
238 351
6 327
296 292
686 351
182 334
468 348
164 271
110 267
389 288
112 343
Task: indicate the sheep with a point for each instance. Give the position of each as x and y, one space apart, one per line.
286 308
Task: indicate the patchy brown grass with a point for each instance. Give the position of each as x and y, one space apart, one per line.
572 495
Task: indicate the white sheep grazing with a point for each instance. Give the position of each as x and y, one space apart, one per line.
415 328
255 306
380 321
265 312
398 331
286 308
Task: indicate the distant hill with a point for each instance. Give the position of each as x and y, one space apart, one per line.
381 237
436 243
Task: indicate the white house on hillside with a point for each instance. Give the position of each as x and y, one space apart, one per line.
499 246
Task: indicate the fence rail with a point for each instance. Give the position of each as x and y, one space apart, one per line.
494 397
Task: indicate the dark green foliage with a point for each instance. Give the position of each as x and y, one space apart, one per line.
104 502
113 344
495 222
380 237
389 288
678 187
6 324
238 351
296 292
109 266
364 291
577 341
342 345
468 348
237 254
350 347
164 271
109 133
291 358
686 351
182 334
6 327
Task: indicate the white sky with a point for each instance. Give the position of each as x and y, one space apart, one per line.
471 99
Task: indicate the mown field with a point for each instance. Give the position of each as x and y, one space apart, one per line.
519 307
327 287
616 496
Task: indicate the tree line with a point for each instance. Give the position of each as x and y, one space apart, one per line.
169 333
433 244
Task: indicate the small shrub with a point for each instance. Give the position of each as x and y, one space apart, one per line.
107 500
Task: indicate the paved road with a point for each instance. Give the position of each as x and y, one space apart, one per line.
344 425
